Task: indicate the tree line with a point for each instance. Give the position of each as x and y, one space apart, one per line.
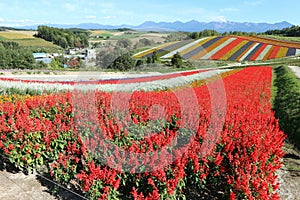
293 31
66 38
14 56
209 33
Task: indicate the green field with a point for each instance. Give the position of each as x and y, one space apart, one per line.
284 38
26 39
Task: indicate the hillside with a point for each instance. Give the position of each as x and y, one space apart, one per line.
233 48
26 39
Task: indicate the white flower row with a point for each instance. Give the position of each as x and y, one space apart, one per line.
264 52
126 87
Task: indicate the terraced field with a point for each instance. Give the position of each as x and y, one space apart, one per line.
233 48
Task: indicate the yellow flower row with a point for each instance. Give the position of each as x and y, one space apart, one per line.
149 51
282 52
13 98
195 46
273 41
210 48
233 50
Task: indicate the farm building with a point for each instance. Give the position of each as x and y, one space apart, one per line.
42 57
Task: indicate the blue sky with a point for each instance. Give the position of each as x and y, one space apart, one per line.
134 12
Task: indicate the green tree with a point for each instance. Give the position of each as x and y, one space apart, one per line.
155 57
123 62
177 60
149 60
139 63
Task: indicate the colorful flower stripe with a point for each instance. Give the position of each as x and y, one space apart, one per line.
168 49
264 52
203 44
291 52
181 49
271 41
212 44
253 52
258 51
282 52
238 54
149 51
247 54
243 54
162 50
274 52
233 48
266 57
114 81
218 55
218 48
152 84
184 52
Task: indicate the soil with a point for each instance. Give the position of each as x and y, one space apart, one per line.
17 185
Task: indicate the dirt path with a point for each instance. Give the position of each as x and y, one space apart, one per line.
15 185
18 186
289 184
295 70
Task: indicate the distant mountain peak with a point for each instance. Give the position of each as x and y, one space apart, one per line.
220 25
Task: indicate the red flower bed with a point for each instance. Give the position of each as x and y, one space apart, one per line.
154 145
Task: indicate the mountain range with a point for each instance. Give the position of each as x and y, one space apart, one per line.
190 26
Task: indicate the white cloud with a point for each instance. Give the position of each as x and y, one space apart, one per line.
108 17
219 18
229 10
21 22
90 17
254 3
69 7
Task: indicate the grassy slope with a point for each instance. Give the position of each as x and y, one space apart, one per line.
278 37
286 101
26 40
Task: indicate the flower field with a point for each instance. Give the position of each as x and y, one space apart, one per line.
233 48
213 134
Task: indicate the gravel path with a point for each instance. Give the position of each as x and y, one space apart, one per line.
18 186
289 184
295 70
15 185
